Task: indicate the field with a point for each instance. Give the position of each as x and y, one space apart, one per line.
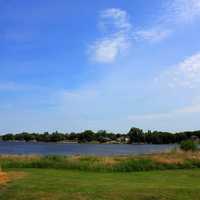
51 184
167 176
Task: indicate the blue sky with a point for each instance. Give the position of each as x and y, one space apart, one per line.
75 65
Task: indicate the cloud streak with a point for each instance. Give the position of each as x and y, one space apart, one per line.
154 34
184 11
116 19
185 74
119 34
176 13
114 23
107 50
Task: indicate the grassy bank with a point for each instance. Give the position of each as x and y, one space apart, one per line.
83 178
50 184
164 161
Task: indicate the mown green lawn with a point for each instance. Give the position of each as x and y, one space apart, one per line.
48 184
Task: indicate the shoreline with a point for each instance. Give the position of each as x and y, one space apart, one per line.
75 142
116 163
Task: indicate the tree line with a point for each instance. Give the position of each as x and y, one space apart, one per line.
85 136
135 135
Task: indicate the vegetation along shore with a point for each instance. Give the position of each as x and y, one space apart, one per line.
176 159
135 135
173 175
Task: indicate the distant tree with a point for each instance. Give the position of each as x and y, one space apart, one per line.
72 136
45 137
24 136
136 135
57 137
8 137
86 136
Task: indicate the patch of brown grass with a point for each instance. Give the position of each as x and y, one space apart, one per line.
177 157
3 178
16 175
19 157
6 177
167 159
108 161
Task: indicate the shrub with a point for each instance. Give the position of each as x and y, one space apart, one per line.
188 145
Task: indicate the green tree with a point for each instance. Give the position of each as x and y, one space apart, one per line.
8 137
86 136
136 135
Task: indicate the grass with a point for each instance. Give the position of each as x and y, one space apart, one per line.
101 178
51 184
164 161
3 178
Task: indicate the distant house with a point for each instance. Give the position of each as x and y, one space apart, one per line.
123 139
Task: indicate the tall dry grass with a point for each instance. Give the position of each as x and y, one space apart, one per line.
172 160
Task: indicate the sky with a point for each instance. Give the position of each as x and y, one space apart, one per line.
111 65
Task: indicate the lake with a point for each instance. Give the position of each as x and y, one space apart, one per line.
82 149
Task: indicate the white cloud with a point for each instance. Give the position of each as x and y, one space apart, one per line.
185 11
115 18
184 79
119 35
185 74
115 25
176 12
155 34
107 49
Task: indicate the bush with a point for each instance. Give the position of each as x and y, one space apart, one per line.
188 145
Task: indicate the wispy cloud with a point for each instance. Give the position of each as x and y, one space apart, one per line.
154 34
175 13
114 23
183 11
107 50
114 18
119 34
178 88
184 74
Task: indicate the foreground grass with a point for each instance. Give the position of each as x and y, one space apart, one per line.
163 161
51 184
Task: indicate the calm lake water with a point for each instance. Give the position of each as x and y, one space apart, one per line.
82 149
